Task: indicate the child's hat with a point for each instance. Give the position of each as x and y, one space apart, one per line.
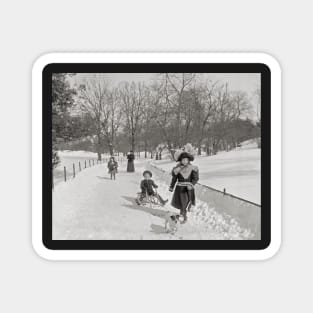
147 172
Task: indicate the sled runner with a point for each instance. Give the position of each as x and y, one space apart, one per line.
148 199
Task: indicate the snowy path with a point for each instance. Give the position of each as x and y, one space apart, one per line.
92 206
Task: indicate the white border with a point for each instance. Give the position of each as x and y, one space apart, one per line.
42 61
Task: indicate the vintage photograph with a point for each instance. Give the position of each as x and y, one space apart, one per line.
156 156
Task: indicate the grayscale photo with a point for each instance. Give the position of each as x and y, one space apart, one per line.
156 156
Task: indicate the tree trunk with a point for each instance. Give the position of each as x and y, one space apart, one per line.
199 148
111 149
146 149
215 148
207 150
99 147
133 142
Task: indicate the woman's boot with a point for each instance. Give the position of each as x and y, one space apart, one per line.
183 213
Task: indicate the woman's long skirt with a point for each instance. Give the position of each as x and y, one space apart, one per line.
183 199
130 166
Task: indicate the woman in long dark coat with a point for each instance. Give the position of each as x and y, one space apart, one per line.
185 176
130 162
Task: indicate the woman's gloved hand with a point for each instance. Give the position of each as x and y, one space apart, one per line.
177 169
189 187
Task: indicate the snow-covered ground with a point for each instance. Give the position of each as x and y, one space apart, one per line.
80 154
92 206
238 171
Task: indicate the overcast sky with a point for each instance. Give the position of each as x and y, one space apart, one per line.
247 82
237 81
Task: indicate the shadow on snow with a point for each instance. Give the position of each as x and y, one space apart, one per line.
158 229
104 177
150 210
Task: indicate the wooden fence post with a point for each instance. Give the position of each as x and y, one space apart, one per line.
64 173
85 164
73 170
79 166
93 162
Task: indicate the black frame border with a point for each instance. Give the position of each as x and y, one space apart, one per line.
261 68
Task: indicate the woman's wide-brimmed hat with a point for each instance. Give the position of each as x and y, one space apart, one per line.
187 151
183 155
147 172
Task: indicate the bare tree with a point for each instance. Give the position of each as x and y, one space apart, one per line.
93 92
132 98
163 113
257 94
230 106
204 106
174 109
149 132
258 113
103 107
176 89
112 118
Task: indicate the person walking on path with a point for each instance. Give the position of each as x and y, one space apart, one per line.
112 166
130 161
185 176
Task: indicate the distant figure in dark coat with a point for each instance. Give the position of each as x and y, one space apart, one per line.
185 176
147 187
130 161
112 166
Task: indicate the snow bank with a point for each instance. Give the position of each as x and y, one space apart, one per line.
233 218
206 222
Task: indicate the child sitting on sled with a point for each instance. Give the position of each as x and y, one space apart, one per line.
147 186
